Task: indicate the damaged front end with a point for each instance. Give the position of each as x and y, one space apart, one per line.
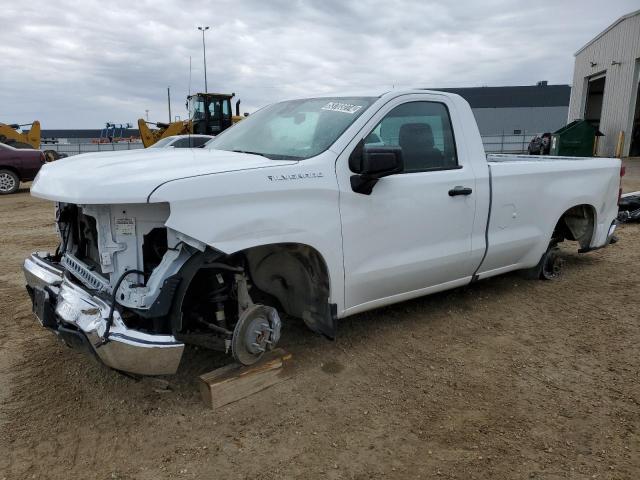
118 286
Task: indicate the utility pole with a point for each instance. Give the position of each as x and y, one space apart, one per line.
147 114
204 56
169 101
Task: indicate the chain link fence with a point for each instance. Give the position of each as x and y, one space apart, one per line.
507 143
499 143
78 148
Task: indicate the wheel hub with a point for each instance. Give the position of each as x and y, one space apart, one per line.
257 335
7 182
257 330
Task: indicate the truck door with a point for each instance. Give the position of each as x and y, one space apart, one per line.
412 234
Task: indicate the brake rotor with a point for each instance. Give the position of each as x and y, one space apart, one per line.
257 330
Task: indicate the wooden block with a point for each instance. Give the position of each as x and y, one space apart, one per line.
233 382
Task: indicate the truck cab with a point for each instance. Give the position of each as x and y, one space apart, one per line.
210 113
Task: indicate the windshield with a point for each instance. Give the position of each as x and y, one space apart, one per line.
296 129
196 108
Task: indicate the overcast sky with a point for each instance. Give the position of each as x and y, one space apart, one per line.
79 64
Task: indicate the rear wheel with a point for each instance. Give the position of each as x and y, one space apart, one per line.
552 264
9 182
548 268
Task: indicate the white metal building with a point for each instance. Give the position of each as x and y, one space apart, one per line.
605 85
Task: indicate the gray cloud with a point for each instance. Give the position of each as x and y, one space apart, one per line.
82 63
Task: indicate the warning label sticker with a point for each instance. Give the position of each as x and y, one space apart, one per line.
125 226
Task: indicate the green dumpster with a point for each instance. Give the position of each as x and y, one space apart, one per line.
574 140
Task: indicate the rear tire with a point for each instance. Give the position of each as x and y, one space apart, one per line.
9 182
548 268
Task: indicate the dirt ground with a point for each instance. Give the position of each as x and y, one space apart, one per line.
505 379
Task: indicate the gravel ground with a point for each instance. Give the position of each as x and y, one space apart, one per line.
504 379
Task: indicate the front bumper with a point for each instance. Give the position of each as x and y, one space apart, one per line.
79 318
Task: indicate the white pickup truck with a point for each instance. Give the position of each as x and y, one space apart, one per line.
319 208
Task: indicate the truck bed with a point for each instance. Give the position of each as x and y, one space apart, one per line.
527 188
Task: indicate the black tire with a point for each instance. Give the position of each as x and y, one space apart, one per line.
548 268
9 182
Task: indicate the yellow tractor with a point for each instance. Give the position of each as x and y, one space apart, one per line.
209 114
11 135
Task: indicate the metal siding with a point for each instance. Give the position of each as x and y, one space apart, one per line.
621 44
514 96
531 120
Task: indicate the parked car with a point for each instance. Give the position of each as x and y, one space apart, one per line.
182 141
18 165
319 207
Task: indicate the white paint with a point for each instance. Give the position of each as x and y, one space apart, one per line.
408 238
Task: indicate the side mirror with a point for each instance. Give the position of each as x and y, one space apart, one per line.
371 163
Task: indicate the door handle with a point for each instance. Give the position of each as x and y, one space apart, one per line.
459 190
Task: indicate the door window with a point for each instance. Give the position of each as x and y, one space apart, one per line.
181 143
197 142
423 131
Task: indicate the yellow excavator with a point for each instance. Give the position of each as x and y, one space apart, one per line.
11 134
209 114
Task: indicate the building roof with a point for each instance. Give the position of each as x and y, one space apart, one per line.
514 97
610 27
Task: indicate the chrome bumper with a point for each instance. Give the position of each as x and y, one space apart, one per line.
76 309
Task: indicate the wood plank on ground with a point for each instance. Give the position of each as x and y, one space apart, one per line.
234 382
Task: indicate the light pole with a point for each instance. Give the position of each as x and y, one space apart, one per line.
204 56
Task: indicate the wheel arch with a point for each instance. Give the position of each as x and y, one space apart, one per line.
577 223
298 276
11 169
295 274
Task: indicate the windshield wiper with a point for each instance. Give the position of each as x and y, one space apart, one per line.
250 153
270 156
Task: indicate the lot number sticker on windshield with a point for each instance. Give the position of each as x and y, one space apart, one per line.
125 226
342 107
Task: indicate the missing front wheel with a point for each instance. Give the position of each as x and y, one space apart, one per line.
219 313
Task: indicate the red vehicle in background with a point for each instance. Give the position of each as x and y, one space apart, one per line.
18 165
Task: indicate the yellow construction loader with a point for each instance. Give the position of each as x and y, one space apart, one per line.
209 114
11 134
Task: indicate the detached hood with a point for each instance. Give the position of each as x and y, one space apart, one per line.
131 176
